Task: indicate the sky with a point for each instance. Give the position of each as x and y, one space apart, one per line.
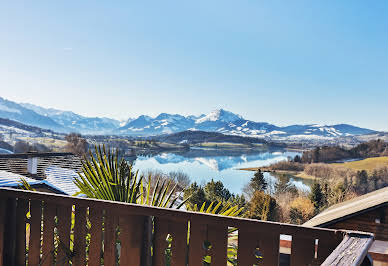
283 62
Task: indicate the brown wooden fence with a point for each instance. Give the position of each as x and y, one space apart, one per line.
61 230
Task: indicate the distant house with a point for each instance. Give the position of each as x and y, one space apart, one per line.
367 213
49 172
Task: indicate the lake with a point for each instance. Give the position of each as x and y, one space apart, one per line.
202 165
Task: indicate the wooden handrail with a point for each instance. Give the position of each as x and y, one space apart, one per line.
140 228
351 251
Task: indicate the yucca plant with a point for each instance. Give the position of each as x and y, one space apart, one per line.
105 176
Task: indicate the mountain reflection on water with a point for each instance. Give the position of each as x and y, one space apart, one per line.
202 165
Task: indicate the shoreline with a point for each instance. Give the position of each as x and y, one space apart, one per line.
299 174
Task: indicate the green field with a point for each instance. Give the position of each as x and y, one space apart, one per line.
368 164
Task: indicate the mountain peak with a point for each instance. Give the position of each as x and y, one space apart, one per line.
219 115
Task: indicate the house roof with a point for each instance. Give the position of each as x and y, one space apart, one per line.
350 208
8 179
58 179
17 163
61 179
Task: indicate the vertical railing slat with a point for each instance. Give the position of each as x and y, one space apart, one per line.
64 224
326 245
95 217
197 239
49 212
160 244
218 237
179 243
269 246
10 232
246 248
131 230
80 236
35 231
109 239
2 223
302 251
21 211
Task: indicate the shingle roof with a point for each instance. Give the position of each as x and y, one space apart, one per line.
350 208
61 179
8 179
17 163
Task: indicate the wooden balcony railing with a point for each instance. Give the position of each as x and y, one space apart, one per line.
48 229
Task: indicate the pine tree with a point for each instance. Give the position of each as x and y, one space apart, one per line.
258 181
316 196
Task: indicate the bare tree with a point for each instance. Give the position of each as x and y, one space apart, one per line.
76 144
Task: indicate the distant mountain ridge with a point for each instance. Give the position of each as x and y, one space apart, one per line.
219 120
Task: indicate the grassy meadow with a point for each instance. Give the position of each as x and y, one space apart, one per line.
368 164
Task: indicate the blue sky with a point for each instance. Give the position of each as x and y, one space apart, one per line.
283 62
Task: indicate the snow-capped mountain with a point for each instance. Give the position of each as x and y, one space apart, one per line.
74 122
162 124
226 122
17 112
220 120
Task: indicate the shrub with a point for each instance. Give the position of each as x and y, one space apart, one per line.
301 210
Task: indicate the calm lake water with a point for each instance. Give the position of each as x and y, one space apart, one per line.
202 165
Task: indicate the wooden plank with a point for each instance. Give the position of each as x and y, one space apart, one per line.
64 224
80 236
21 211
95 217
35 232
246 248
160 244
351 251
49 213
218 237
179 243
109 239
131 229
269 247
2 223
197 239
302 251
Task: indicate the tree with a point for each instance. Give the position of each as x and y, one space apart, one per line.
76 144
297 159
215 191
258 181
262 207
196 196
316 196
362 181
21 147
301 210
181 178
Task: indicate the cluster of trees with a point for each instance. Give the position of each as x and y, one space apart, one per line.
336 184
290 165
282 203
22 146
373 148
213 191
177 179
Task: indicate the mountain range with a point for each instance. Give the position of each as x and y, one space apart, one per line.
220 120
